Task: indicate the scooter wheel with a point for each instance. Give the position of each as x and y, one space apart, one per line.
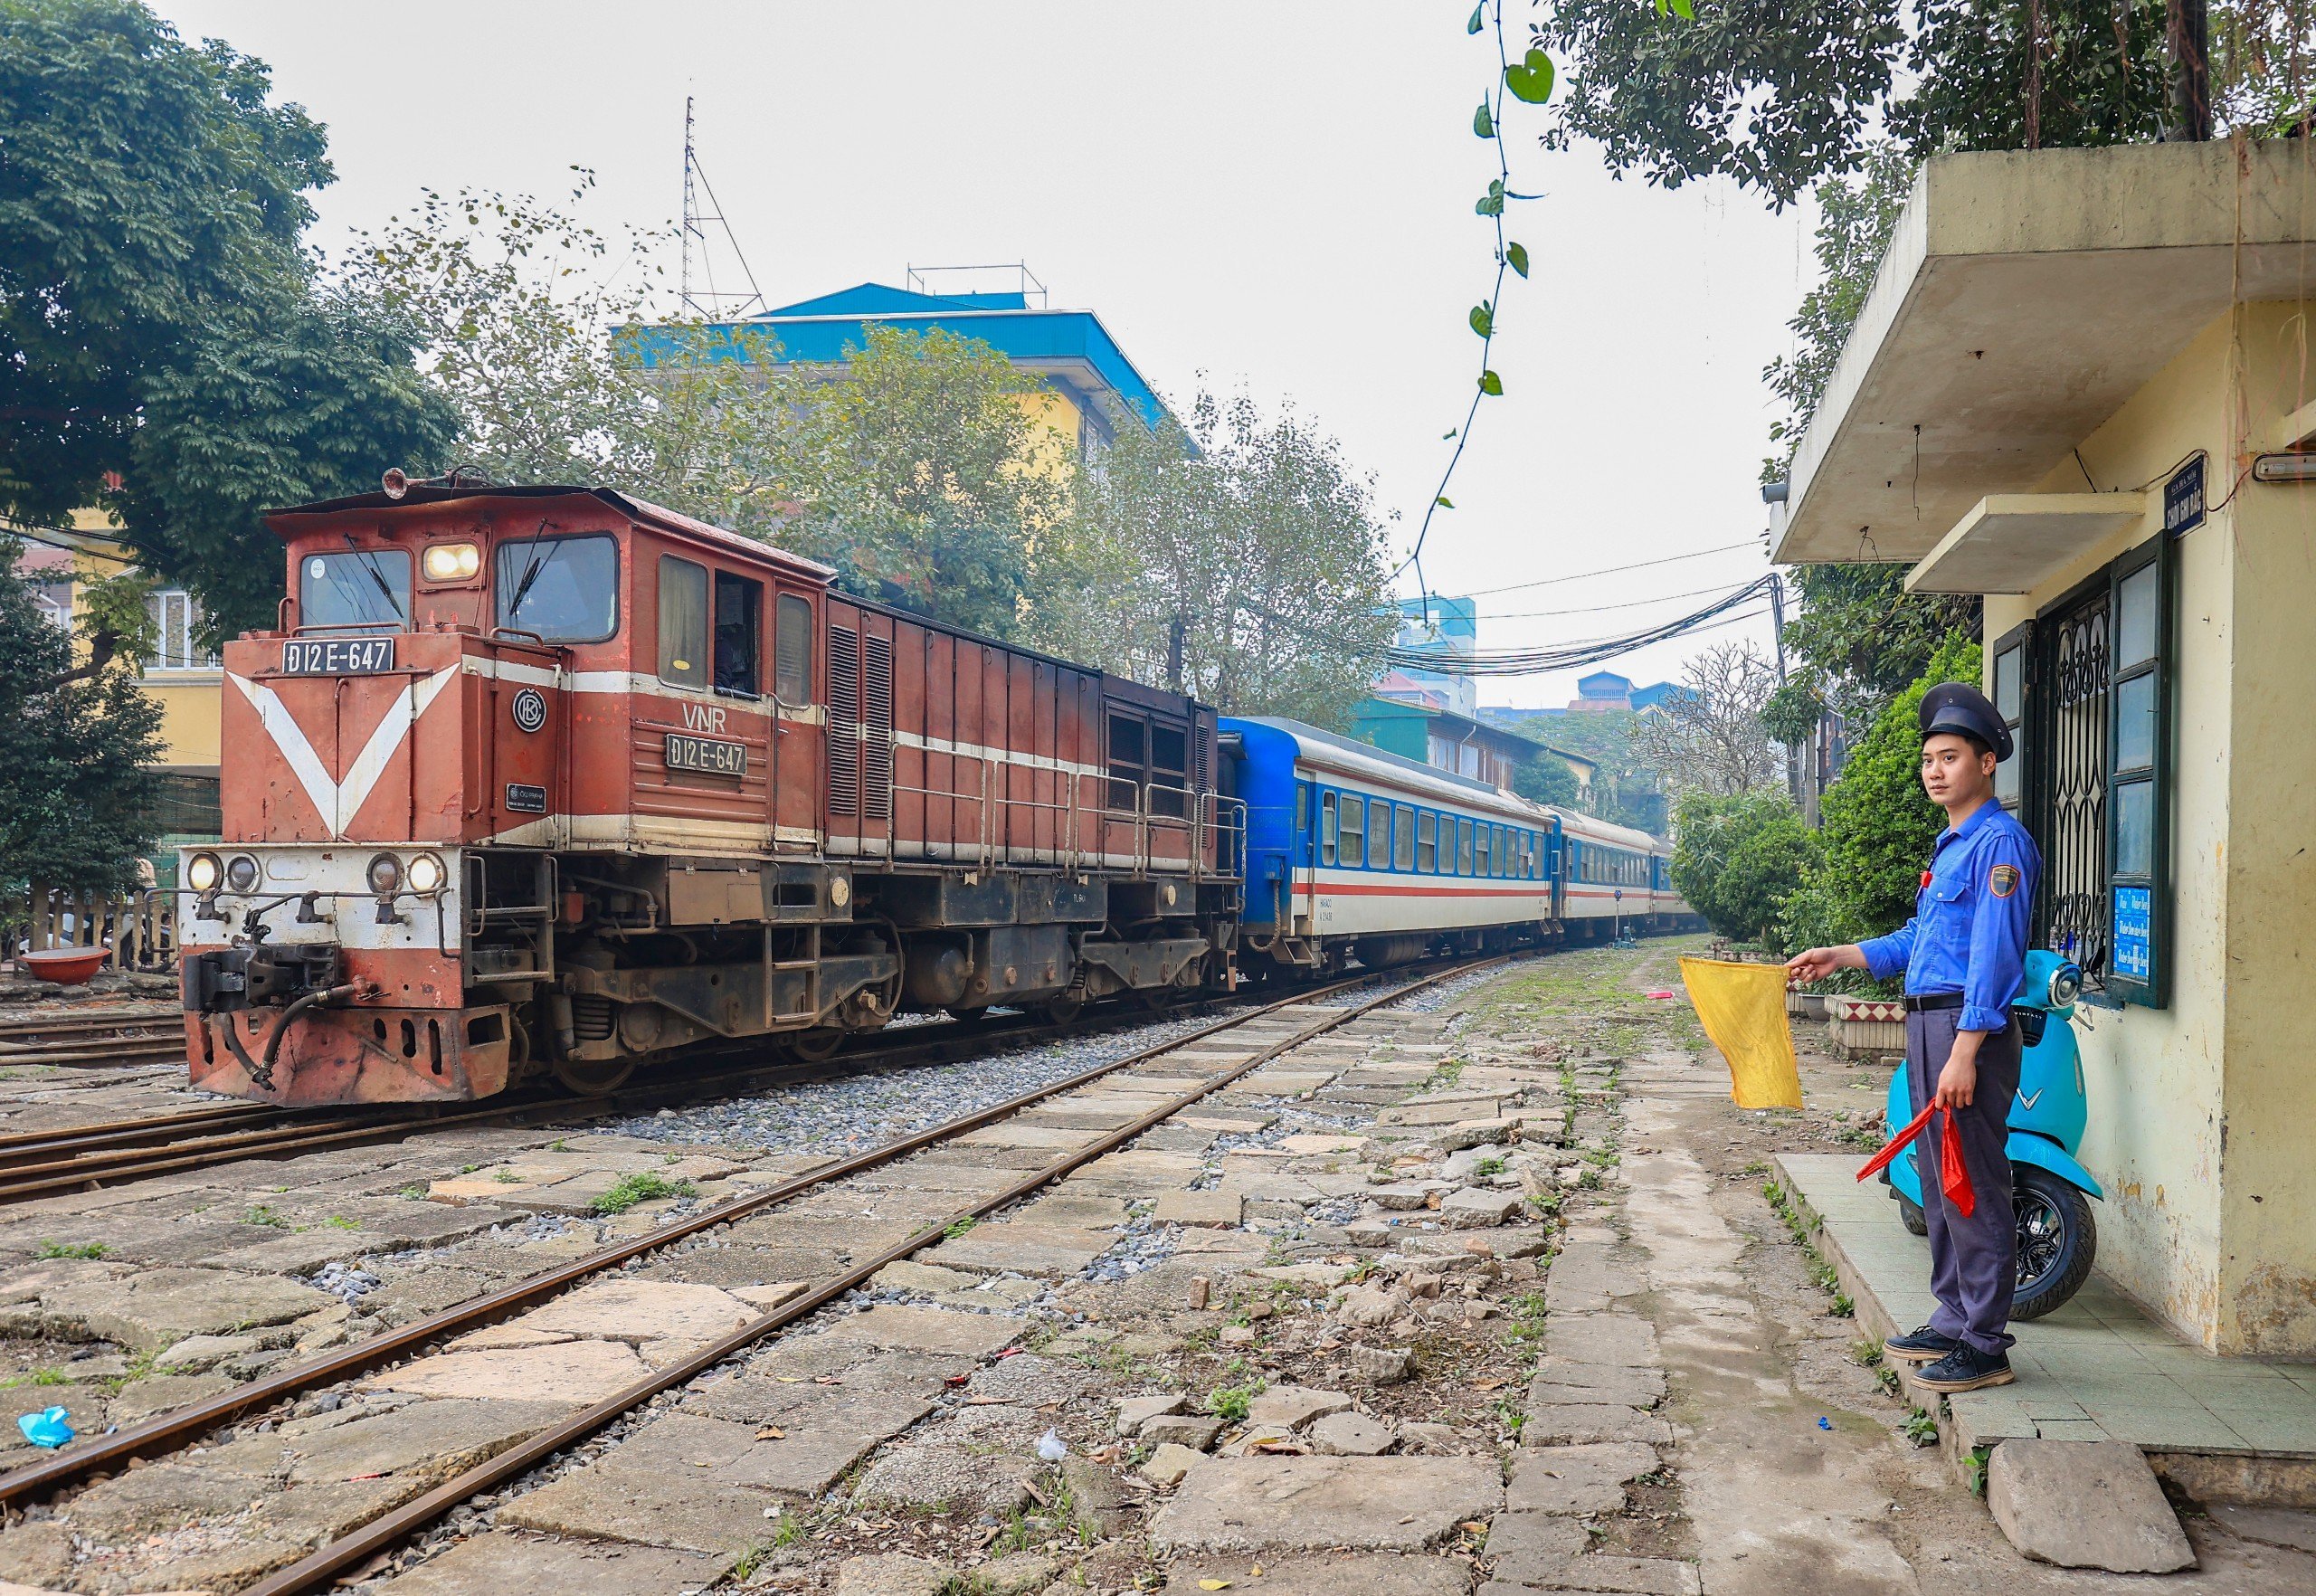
1909 1215
2057 1240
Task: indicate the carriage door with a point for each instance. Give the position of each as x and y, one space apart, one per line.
525 732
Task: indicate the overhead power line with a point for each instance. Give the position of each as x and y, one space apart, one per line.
1610 570
1574 656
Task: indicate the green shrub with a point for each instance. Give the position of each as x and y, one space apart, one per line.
1879 824
1737 859
647 1187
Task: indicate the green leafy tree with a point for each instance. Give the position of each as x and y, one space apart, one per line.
1779 95
76 740
1626 788
166 350
1738 857
1248 570
1546 779
915 467
1879 824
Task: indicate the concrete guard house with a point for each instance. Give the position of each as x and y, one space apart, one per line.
2084 386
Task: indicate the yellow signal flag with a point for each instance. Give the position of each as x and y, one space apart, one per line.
1742 1009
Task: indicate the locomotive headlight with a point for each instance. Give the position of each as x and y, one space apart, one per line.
451 562
426 873
385 874
241 873
202 872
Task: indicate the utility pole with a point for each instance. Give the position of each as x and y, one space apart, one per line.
1174 631
1800 780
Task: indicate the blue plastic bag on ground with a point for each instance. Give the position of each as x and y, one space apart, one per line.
52 1429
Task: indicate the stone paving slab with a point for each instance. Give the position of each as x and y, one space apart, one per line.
1579 1479
151 1309
503 1560
622 1309
1052 1252
648 1489
821 1444
429 1441
1312 1503
929 1330
573 1373
1376 1575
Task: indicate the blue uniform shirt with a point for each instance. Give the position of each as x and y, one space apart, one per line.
1968 933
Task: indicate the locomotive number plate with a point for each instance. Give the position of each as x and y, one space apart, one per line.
526 800
337 656
706 756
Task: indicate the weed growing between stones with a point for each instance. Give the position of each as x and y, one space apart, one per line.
72 1250
958 1227
648 1186
1822 1271
1921 1428
260 1213
1232 1401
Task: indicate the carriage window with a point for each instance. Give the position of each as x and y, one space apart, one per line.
356 588
1326 828
1129 748
791 655
1354 829
1378 834
1168 763
1463 847
1403 840
683 623
1426 843
563 589
1479 851
739 635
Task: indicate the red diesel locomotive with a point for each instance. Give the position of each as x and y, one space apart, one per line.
550 780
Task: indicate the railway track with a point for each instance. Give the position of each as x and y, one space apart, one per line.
186 1425
84 1157
109 1037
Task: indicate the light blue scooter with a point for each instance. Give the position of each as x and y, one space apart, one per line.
2058 1236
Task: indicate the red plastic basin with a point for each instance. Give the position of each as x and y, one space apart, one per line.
67 966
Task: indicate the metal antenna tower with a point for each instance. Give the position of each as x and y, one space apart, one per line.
708 303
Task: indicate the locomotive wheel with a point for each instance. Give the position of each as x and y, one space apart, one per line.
588 1078
1063 1011
816 1047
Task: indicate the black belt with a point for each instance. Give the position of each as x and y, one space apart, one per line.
1921 1002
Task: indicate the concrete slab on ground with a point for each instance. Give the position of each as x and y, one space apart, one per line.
504 1560
1314 1504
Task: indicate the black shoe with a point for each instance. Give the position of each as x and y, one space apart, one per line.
1965 1368
1926 1345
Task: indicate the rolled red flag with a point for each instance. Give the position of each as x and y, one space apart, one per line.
1953 1174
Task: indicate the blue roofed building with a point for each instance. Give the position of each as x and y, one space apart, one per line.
1091 387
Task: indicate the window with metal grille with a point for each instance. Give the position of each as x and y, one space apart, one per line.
2088 682
876 742
1169 769
1129 757
844 720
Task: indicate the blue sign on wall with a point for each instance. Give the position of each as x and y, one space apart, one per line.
2183 499
2134 932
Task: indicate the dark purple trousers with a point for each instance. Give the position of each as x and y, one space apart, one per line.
1973 1258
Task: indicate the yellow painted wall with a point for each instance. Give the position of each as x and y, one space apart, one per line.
1053 410
2203 1122
189 699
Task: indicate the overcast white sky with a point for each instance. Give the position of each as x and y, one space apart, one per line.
1277 196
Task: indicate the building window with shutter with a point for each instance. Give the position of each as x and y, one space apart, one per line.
176 627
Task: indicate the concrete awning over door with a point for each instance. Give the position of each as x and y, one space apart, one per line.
2009 543
2025 297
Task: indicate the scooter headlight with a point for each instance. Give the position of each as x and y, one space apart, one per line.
2066 986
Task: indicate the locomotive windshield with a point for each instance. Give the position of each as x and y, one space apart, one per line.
361 587
563 589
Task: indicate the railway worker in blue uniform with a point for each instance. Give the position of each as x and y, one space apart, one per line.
1963 954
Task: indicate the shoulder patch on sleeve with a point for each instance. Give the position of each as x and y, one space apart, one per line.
2003 879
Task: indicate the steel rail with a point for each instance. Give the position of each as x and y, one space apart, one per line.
158 1016
180 1426
331 1559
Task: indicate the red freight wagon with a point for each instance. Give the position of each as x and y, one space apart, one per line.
550 779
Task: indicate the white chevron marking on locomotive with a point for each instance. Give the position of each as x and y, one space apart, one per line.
338 801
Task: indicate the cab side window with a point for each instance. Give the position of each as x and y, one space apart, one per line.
739 636
791 649
683 623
